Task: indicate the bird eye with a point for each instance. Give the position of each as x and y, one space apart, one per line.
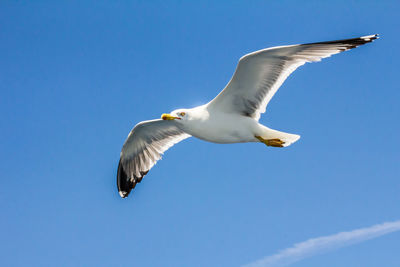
182 114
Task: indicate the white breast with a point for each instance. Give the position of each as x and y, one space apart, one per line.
221 127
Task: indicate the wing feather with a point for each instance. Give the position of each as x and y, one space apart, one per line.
260 74
144 146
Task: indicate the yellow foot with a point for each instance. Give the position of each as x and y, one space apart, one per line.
271 142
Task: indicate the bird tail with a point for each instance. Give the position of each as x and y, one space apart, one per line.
287 138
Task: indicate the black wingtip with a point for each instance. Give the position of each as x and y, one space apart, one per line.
370 38
125 185
351 43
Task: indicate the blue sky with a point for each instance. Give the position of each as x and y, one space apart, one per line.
76 76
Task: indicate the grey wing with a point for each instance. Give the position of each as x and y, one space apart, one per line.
144 146
259 74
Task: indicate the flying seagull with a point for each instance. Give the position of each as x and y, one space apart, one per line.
232 116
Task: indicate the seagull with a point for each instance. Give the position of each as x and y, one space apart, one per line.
232 116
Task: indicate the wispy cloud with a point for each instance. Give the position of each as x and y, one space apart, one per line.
322 244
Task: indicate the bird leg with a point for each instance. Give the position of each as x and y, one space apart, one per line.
276 142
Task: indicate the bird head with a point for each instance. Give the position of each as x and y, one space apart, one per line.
179 114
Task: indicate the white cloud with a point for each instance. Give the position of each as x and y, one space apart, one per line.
322 244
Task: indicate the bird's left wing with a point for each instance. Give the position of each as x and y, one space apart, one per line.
259 74
144 146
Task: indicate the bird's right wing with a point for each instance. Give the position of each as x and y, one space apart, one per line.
144 146
259 74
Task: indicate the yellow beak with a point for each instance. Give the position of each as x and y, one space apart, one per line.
168 117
